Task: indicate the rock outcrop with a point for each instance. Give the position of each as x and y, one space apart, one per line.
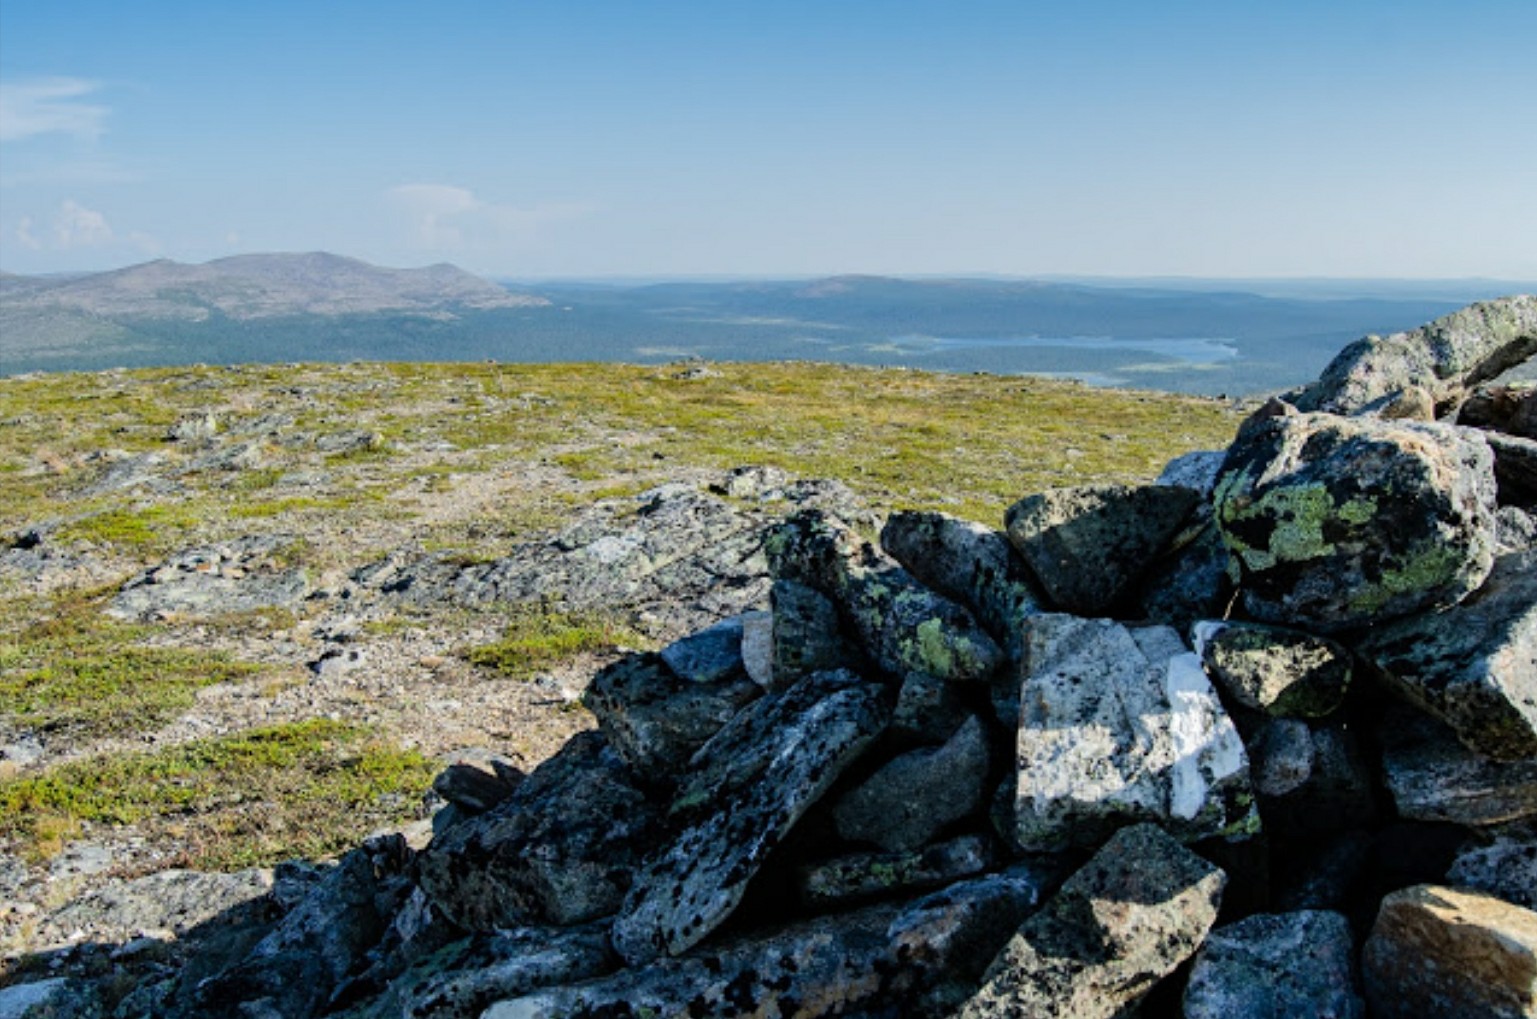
971 773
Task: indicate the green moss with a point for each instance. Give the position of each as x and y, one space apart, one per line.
538 637
149 529
300 789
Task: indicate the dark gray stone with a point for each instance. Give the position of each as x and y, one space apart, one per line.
928 709
708 656
863 876
1433 777
917 795
1197 470
476 780
1189 583
968 563
1287 964
687 890
1509 408
656 720
1089 545
1474 665
1335 523
1506 867
562 849
806 635
1123 922
1515 469
1282 672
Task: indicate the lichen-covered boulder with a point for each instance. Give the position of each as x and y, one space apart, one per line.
1118 727
1120 924
689 888
1445 358
1438 951
1278 671
805 634
913 797
1474 665
561 849
1276 964
902 625
1088 545
968 563
654 719
1334 522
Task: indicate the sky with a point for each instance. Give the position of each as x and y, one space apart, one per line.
528 140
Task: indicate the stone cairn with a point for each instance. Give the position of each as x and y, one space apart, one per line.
1258 739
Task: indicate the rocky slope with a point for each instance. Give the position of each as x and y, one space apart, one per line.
1145 747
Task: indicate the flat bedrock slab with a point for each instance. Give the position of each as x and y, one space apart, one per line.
1088 545
1334 523
1437 951
1140 907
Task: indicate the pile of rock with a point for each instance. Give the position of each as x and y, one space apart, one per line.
1259 739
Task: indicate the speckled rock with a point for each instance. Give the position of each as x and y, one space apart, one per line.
1197 470
1508 408
1131 915
562 849
1474 665
1437 951
902 625
244 575
1189 583
687 890
1334 523
1281 672
655 719
1088 545
1433 777
928 709
294 970
1505 868
858 877
918 794
806 636
462 979
1286 964
709 655
52 998
1117 727
1445 358
968 563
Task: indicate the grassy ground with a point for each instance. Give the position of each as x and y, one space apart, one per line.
459 458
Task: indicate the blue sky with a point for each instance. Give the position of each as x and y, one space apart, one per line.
1358 138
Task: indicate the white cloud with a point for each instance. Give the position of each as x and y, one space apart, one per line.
75 226
45 106
25 236
444 216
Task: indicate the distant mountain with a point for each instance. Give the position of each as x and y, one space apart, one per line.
260 286
320 307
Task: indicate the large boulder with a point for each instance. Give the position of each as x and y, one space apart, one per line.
1473 665
1118 727
1120 924
690 887
1438 951
1335 523
1090 544
1433 777
1444 359
561 849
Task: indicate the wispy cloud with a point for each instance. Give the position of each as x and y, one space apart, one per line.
75 227
44 106
443 216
